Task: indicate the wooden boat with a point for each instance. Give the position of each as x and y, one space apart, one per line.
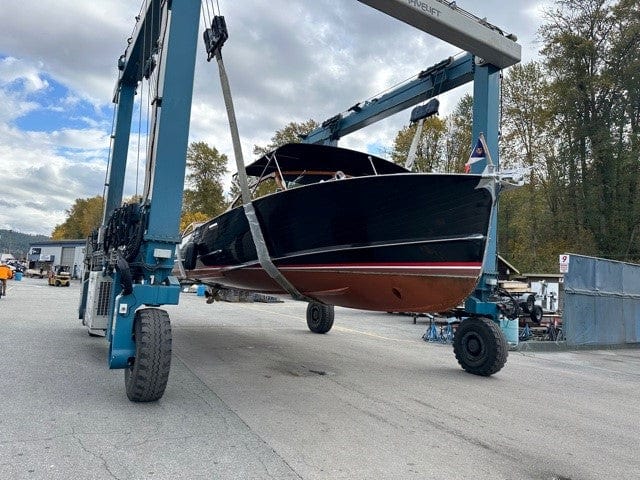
353 230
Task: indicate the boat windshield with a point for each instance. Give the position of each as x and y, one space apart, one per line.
298 164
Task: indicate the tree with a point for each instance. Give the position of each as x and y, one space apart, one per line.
444 144
290 133
526 225
206 168
431 144
458 140
589 46
192 217
83 217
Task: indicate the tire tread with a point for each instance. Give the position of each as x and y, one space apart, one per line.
146 380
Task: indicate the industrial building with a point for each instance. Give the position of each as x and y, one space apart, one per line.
45 255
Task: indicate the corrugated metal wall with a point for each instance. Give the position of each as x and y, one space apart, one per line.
601 302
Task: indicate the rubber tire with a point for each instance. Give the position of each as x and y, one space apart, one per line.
320 317
536 314
528 304
146 379
480 346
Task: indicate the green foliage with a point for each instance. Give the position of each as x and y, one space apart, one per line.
459 142
206 169
83 217
592 51
574 120
444 144
291 133
192 217
430 147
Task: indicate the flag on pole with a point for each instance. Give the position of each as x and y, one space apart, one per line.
480 152
477 154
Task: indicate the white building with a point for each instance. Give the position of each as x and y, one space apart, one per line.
50 253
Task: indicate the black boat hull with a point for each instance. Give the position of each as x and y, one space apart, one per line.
401 242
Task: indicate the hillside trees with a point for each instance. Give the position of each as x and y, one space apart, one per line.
573 118
591 50
529 217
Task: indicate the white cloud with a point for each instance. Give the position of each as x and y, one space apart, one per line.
288 60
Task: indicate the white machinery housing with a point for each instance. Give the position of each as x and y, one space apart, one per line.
96 318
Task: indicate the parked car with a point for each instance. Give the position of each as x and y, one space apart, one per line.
16 266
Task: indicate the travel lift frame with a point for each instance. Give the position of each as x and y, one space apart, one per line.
129 260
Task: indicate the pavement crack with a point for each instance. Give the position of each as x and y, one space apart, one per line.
98 456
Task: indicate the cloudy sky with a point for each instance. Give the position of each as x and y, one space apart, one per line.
288 60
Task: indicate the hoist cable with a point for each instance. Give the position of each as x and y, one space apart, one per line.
208 16
139 135
204 15
140 97
107 170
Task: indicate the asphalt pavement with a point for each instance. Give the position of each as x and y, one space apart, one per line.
253 394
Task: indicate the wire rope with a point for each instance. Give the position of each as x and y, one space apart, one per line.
139 136
107 170
140 97
204 16
208 16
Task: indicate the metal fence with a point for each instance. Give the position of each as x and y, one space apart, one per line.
601 302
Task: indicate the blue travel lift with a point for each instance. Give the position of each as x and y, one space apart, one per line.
129 260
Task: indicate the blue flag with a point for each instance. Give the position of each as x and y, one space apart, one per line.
476 155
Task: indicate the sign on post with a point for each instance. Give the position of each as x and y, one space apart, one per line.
564 263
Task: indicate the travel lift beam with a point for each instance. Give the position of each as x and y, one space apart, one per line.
489 50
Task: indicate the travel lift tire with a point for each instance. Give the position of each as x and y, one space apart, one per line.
480 346
146 379
319 317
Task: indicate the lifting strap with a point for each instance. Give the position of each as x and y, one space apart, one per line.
254 225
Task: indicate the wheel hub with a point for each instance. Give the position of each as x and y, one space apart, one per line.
474 346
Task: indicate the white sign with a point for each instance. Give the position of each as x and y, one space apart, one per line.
564 263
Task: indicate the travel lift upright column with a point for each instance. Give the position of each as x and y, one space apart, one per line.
486 120
165 39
